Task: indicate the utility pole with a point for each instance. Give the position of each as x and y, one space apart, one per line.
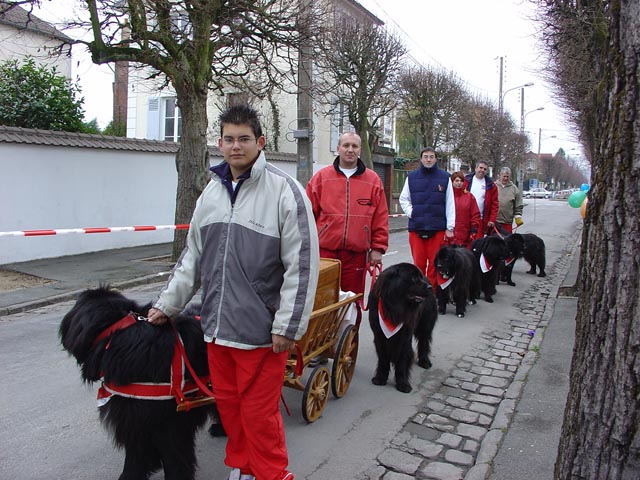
522 110
305 109
500 99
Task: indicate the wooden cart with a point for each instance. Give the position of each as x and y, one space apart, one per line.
329 336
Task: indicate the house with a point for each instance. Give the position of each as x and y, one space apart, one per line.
152 112
23 34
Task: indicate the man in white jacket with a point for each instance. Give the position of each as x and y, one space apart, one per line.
253 247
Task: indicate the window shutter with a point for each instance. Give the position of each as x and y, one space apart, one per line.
153 119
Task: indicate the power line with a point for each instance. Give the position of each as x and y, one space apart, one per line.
423 50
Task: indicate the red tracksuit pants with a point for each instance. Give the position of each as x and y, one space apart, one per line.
247 385
424 251
507 226
353 266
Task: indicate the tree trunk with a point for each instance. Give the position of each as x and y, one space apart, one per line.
192 162
601 432
365 154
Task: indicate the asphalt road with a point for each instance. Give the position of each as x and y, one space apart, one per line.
49 418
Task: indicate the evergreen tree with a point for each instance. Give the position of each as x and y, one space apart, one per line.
36 96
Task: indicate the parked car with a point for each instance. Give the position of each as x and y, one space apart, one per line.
563 194
537 193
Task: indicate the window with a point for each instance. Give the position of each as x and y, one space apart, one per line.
172 120
339 125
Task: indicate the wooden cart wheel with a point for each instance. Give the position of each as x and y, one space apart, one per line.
316 393
344 362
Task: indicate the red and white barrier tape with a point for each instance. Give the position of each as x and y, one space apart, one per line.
135 228
65 231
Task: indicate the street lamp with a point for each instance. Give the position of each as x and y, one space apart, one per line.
501 99
524 117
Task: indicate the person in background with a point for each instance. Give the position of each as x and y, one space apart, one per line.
484 189
252 246
427 199
510 201
468 218
352 217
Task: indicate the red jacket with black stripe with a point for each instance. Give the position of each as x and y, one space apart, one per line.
351 213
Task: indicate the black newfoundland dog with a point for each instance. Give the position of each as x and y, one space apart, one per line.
458 278
401 305
524 245
153 434
534 253
490 253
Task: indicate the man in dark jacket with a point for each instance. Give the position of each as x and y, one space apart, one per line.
485 191
427 199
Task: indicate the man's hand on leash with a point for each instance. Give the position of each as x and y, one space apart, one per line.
157 317
375 257
281 344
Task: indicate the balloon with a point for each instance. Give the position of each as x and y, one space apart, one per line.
576 198
583 207
584 187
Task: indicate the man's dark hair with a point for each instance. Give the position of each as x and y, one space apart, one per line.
428 149
241 115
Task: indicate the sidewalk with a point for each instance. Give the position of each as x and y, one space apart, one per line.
530 446
67 276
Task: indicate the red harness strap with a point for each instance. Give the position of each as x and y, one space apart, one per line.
178 388
121 324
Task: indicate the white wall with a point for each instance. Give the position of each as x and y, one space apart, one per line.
64 187
16 44
58 187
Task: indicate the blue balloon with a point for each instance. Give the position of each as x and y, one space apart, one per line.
584 187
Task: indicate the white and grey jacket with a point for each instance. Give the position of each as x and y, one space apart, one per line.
256 258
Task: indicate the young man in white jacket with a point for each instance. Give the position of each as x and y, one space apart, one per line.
253 247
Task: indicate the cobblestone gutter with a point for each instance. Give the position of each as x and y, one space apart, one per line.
457 432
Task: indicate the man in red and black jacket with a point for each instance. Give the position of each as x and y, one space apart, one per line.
352 217
485 191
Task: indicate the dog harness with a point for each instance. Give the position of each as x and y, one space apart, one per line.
178 388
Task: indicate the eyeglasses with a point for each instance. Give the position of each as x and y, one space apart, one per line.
244 140
428 156
482 168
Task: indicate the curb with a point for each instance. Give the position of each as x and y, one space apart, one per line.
72 295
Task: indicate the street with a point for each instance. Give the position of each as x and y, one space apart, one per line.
51 423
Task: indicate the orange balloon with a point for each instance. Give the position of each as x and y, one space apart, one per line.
583 207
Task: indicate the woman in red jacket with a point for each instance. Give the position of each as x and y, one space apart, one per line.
468 218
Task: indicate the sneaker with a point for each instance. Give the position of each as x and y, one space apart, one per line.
288 476
236 474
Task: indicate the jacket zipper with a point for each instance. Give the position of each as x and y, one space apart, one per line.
346 218
224 267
